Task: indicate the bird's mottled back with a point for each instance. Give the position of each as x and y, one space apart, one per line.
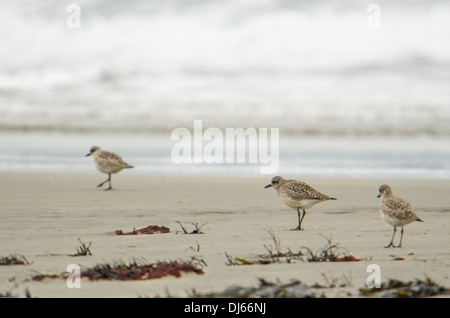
397 208
110 159
297 190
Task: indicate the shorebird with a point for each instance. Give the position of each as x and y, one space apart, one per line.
298 195
107 162
395 211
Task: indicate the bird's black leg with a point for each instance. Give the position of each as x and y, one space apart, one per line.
300 220
392 240
298 227
107 180
110 185
401 239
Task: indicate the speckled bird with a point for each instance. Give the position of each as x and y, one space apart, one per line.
107 162
395 211
298 195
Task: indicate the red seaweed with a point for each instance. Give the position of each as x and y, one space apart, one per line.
347 258
151 229
135 271
139 272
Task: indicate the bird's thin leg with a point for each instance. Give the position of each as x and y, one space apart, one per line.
300 220
107 180
401 239
298 227
392 240
110 185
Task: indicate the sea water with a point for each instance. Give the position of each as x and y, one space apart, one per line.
350 98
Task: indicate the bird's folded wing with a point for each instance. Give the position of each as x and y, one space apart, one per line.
398 208
302 191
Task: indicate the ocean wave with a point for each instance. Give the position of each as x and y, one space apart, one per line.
155 128
307 67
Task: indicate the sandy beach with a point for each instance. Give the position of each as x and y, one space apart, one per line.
201 97
43 215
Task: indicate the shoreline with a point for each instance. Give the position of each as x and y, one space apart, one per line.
314 157
44 214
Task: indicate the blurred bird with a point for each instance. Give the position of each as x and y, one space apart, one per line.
107 162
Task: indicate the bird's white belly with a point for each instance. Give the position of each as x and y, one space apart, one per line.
395 221
108 168
303 204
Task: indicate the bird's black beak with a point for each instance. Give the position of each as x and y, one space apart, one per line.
379 195
267 186
88 154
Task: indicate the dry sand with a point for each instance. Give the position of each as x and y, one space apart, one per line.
43 215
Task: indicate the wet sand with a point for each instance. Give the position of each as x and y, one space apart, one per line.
43 215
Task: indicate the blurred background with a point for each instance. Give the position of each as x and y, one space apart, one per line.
351 98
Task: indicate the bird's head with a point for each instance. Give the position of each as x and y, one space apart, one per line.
275 182
93 150
384 190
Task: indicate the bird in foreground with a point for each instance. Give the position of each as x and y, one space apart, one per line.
298 195
107 162
395 211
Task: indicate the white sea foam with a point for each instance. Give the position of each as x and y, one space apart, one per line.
306 67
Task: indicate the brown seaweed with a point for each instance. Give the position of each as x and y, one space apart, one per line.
151 229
